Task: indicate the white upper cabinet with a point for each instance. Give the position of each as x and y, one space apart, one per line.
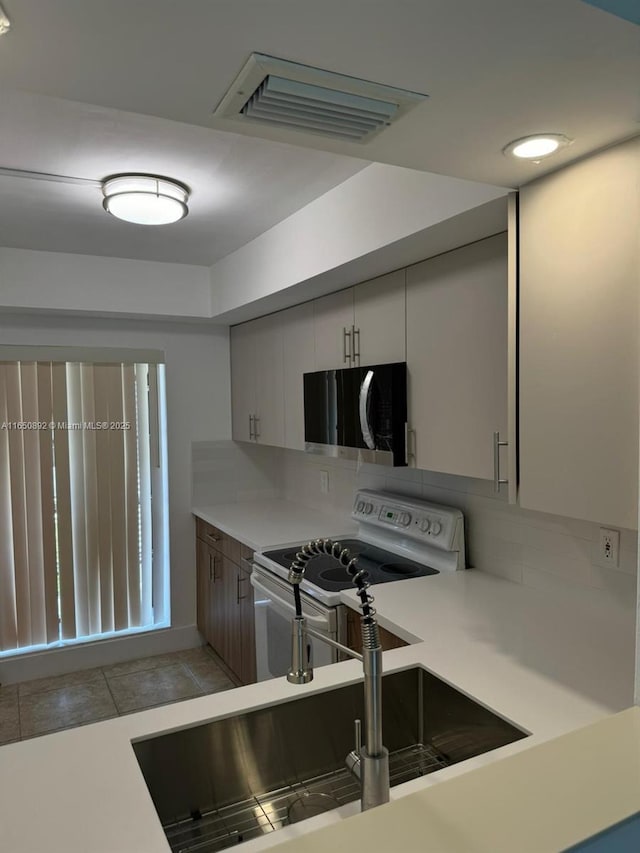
333 330
243 381
269 423
579 283
299 358
379 335
257 382
457 357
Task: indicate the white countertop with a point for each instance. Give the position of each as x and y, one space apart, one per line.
267 523
530 803
548 665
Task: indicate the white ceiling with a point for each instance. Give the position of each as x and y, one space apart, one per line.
495 70
241 186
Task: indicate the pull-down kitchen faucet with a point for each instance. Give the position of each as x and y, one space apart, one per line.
370 764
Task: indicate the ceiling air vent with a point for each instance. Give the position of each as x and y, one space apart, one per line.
300 98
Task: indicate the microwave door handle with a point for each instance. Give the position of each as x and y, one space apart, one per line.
286 608
365 394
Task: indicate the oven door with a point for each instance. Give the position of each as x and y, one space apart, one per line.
274 610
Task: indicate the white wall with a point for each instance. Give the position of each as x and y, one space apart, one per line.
544 551
198 409
377 207
58 281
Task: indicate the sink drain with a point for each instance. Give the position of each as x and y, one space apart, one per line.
310 805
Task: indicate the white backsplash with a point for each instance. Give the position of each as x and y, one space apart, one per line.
533 548
229 471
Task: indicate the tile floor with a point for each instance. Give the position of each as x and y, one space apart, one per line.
46 705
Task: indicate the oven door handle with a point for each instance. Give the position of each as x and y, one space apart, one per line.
285 607
365 394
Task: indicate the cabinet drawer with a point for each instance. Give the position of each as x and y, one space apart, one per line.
218 540
246 556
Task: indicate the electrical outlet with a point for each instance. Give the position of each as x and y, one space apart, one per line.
609 546
324 482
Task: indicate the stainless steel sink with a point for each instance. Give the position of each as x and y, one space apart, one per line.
221 783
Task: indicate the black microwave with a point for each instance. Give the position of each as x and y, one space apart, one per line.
358 413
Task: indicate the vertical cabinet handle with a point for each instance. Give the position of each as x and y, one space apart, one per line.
409 439
215 563
239 597
346 350
256 432
250 427
497 444
356 347
211 571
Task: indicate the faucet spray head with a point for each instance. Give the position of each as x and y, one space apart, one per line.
301 671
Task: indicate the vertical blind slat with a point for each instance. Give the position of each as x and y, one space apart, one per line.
47 500
103 481
91 529
33 502
18 502
118 498
130 417
69 481
8 614
144 465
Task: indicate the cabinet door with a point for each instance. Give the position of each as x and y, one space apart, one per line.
233 635
269 381
218 610
299 358
380 320
333 319
247 629
457 357
203 575
243 380
579 262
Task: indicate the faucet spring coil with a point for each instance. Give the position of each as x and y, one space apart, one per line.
360 577
370 633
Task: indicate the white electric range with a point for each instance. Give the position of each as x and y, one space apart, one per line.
398 538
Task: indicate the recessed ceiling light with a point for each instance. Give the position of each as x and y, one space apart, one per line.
537 146
145 199
5 23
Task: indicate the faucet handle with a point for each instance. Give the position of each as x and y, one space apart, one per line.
357 730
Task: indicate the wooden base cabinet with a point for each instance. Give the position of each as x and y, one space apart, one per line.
225 611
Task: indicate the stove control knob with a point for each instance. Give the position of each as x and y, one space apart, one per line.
360 506
405 519
436 527
424 524
368 508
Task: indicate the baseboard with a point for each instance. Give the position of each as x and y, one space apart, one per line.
24 667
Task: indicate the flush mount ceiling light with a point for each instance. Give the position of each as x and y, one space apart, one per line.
5 23
145 199
537 146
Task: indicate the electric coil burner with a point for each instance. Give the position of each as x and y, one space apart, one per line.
382 566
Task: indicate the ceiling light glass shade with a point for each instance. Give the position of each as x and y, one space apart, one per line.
5 23
536 147
145 199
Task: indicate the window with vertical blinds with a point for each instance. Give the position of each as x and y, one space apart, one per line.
81 491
